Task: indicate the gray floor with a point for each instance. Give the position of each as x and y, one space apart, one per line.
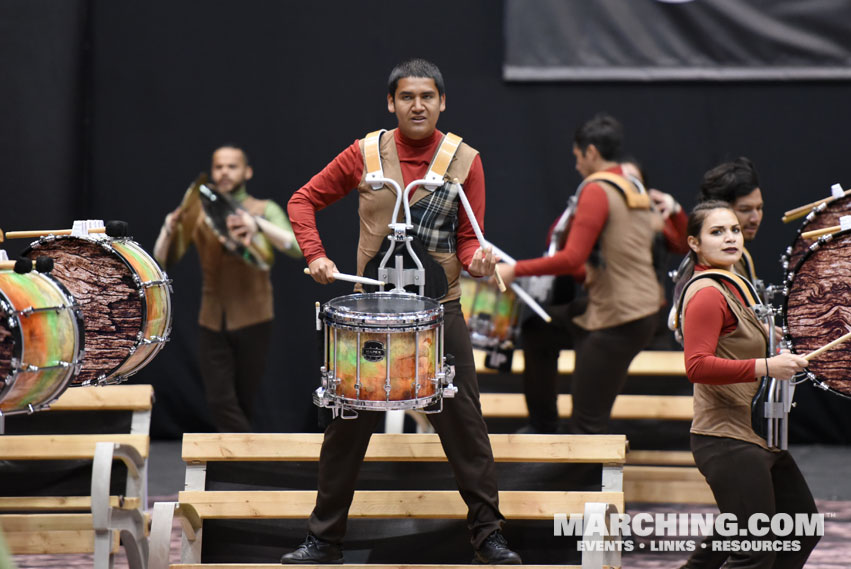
826 468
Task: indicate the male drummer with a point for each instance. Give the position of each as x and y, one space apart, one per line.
610 239
416 96
737 183
236 297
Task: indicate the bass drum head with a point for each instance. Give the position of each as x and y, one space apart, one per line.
817 310
104 287
820 218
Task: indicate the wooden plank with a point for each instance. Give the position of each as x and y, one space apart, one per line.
61 503
297 504
204 447
646 363
44 522
64 447
105 398
667 407
666 485
660 457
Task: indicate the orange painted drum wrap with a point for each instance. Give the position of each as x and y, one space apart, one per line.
348 353
383 350
43 338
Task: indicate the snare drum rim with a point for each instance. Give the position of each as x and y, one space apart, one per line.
390 321
788 279
391 405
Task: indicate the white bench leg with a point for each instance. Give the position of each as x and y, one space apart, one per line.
394 421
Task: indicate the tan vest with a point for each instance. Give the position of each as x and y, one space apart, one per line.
375 207
232 291
745 267
624 287
725 410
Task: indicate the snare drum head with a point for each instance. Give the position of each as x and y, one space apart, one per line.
827 217
105 287
383 310
817 310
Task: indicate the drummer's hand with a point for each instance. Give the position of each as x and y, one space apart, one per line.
483 263
506 271
242 226
172 219
322 270
785 365
665 203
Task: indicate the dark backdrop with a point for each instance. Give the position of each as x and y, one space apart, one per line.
110 108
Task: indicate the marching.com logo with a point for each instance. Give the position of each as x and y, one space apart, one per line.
607 532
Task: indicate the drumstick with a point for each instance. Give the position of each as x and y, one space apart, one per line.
43 232
819 232
351 278
477 230
799 212
826 347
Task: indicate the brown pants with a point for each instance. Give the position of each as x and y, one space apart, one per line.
232 365
462 433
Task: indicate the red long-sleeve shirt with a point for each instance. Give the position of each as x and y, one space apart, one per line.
588 221
707 317
675 232
344 173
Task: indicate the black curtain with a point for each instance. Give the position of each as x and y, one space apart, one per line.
117 105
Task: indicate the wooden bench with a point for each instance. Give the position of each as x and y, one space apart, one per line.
197 504
651 476
646 363
93 523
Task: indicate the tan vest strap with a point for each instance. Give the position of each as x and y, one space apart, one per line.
749 264
372 158
744 287
635 199
440 163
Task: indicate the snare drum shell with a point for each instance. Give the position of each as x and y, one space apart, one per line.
383 350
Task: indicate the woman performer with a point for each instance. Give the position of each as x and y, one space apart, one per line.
725 354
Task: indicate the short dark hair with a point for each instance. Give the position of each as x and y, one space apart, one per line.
234 147
729 181
415 68
698 216
604 132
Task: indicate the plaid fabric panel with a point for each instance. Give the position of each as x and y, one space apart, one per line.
435 219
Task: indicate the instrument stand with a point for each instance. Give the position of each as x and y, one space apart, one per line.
778 402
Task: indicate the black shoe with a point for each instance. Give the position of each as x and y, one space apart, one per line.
314 550
494 551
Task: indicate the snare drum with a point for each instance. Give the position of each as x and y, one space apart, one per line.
817 309
383 351
492 316
823 216
41 341
125 298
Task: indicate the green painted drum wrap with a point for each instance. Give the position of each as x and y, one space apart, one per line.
46 339
157 320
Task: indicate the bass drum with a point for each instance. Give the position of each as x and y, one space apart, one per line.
125 298
41 341
825 215
817 309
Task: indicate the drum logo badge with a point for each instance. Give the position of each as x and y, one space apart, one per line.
373 351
